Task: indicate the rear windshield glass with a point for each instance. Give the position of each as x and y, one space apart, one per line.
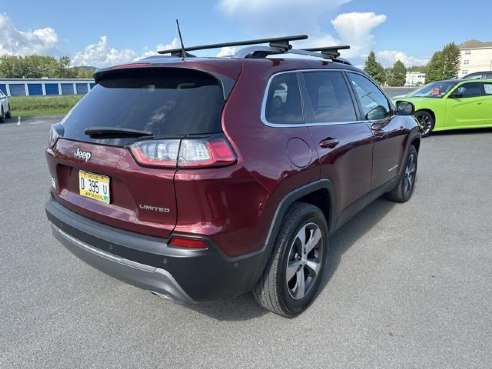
167 102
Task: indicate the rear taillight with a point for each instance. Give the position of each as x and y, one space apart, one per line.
56 132
156 153
186 153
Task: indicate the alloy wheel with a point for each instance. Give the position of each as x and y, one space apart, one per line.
410 173
304 260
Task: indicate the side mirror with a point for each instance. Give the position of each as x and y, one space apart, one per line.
377 113
405 108
456 95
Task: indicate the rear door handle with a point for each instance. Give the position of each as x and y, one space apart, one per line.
328 143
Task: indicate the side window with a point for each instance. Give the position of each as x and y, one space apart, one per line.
487 88
329 97
374 104
283 105
470 89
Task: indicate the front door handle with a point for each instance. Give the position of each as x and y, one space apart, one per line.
328 143
378 126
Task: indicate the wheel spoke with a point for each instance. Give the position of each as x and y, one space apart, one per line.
300 284
313 267
292 268
313 240
301 236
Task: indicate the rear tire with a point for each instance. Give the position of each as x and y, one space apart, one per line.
293 274
426 121
2 116
8 115
406 185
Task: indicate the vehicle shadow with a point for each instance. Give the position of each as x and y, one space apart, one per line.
244 307
469 132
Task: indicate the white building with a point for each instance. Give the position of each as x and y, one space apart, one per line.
414 79
476 56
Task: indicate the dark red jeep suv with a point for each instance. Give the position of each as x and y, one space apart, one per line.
205 178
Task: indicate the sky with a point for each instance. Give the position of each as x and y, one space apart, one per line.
108 32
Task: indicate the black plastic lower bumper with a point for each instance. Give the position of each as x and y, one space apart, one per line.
147 262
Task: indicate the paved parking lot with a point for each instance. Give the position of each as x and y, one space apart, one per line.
408 286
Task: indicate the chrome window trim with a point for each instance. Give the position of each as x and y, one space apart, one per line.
303 124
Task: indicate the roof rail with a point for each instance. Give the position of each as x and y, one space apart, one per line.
330 51
280 43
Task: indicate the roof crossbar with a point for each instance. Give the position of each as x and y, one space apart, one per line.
330 51
281 43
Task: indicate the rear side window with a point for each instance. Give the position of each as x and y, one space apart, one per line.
329 98
374 104
473 89
487 88
283 105
167 102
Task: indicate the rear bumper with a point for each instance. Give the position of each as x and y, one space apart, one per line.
141 275
182 275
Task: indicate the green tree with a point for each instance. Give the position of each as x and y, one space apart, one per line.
417 68
444 64
374 69
398 74
35 66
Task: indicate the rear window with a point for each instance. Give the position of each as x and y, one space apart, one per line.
168 102
283 105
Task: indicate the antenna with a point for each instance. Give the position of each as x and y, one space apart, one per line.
183 50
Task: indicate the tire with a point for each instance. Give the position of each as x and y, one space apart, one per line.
426 121
406 185
2 116
8 115
292 276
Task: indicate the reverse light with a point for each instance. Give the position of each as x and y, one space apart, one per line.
156 153
214 152
187 243
186 153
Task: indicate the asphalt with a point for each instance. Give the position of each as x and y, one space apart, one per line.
407 285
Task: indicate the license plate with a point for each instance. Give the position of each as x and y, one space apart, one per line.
94 186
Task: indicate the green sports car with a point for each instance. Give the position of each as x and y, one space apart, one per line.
452 104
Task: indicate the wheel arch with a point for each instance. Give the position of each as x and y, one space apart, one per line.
319 193
427 110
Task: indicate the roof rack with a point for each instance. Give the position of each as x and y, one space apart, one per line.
280 43
330 51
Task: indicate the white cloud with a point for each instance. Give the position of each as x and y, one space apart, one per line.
102 55
279 17
226 51
388 57
173 45
356 29
274 17
41 41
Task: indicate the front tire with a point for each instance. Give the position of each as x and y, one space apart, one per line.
293 274
426 121
8 115
2 116
406 185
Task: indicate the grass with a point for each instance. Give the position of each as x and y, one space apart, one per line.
42 105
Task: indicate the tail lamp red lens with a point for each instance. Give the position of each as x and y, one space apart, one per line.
185 153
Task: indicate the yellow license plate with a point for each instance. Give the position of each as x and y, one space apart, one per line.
94 186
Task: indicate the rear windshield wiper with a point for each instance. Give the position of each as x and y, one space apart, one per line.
116 132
